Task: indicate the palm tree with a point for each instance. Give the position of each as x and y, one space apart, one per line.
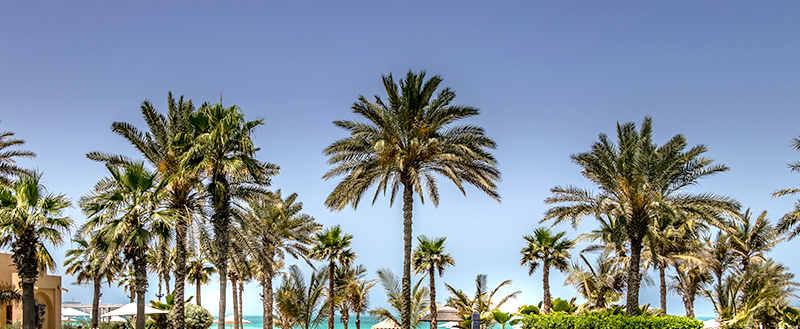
393 288
428 258
9 293
297 301
166 140
546 249
87 264
788 222
690 278
8 167
721 257
29 217
750 241
333 245
161 260
198 271
124 209
223 151
482 301
404 143
357 295
639 181
347 276
602 283
669 240
276 226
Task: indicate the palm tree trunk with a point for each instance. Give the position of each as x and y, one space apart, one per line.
331 295
266 285
28 307
234 294
166 282
663 287
241 304
408 203
688 299
96 302
431 273
634 278
546 302
179 317
221 221
160 281
266 291
345 317
198 292
141 287
358 320
24 257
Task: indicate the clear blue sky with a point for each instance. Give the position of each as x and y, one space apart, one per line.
548 76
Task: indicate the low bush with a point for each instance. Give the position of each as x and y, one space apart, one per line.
603 320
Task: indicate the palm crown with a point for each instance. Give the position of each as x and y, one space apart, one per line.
405 141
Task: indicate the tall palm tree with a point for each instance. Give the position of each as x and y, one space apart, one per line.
87 264
429 257
548 250
276 226
789 222
639 181
393 290
404 142
198 271
162 145
602 283
483 301
29 217
125 211
223 152
333 246
8 164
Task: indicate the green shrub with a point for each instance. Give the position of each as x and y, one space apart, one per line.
603 320
197 317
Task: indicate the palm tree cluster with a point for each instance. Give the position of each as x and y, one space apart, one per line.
648 221
195 202
197 205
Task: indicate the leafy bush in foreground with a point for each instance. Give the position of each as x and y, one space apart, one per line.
602 320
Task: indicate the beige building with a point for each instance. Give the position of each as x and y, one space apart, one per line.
47 291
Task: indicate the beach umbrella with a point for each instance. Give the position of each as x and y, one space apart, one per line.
713 323
66 319
444 314
130 309
386 324
229 320
117 319
70 312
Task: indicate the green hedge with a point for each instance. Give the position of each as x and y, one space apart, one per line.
599 320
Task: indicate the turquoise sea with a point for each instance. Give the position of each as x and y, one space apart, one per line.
366 322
